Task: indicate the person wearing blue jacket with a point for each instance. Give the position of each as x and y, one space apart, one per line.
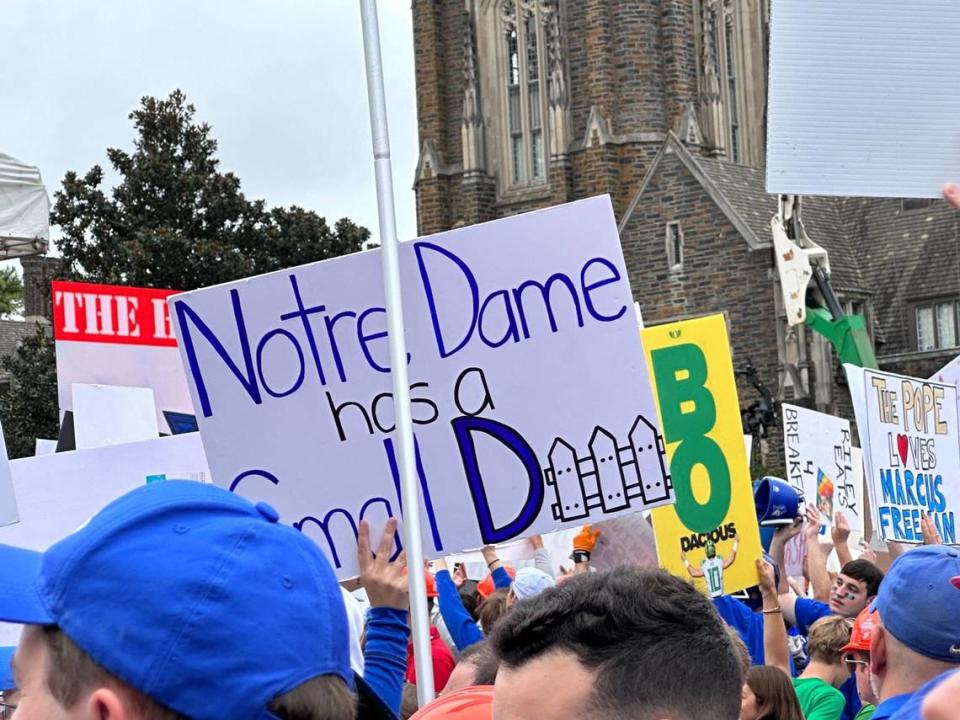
460 623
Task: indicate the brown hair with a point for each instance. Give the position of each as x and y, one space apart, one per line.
827 637
71 672
492 609
776 698
743 653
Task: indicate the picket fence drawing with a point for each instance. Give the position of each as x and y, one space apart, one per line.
610 476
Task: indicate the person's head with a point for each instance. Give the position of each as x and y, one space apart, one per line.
472 703
477 665
828 636
855 587
578 650
710 549
528 583
486 587
856 653
914 640
768 694
179 600
743 652
492 609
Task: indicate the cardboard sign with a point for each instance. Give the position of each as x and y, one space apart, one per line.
913 462
530 398
116 335
949 374
57 493
863 97
700 416
9 512
109 415
819 461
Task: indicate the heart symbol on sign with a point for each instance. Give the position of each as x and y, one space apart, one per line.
902 448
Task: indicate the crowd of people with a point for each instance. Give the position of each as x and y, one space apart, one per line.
182 600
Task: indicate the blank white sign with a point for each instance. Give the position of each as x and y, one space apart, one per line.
864 97
111 415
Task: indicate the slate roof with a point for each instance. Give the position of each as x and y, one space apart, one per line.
899 257
907 256
822 217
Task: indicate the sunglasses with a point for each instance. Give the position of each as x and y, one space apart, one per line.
6 709
852 662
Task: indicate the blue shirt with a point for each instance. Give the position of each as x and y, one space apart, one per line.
910 710
807 612
461 625
888 707
385 655
748 624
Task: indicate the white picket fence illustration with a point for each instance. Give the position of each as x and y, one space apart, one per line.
612 476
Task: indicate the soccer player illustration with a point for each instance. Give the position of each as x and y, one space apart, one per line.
712 567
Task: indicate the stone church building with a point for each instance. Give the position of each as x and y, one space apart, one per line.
524 104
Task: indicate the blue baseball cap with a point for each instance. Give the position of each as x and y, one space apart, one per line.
6 669
190 594
916 598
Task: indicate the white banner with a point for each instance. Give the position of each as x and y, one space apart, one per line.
820 466
121 336
913 463
863 97
530 397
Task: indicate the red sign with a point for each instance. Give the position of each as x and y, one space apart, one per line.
112 314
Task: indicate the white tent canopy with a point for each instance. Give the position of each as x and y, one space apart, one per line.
24 209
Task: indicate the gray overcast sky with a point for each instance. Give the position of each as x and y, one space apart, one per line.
281 83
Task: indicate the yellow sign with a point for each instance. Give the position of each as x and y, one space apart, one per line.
711 534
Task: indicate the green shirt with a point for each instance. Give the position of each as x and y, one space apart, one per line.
866 712
819 701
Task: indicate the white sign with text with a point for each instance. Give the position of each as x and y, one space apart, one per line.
531 403
913 463
819 460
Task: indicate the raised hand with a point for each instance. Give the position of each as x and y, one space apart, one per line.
386 582
841 529
929 528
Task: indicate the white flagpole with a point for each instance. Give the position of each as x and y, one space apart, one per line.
398 352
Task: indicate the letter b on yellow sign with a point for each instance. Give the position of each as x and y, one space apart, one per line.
700 415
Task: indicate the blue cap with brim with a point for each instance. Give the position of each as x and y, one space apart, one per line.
917 598
190 594
6 669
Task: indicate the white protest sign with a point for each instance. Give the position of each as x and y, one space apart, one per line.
913 464
863 97
44 447
118 335
530 398
949 374
110 415
9 513
819 461
57 493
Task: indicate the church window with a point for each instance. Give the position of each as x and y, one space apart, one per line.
731 72
523 42
674 245
937 325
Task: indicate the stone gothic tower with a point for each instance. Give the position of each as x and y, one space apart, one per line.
529 103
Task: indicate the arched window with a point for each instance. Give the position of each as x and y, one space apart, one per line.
523 67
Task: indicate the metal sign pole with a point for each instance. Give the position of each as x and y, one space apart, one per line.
398 352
